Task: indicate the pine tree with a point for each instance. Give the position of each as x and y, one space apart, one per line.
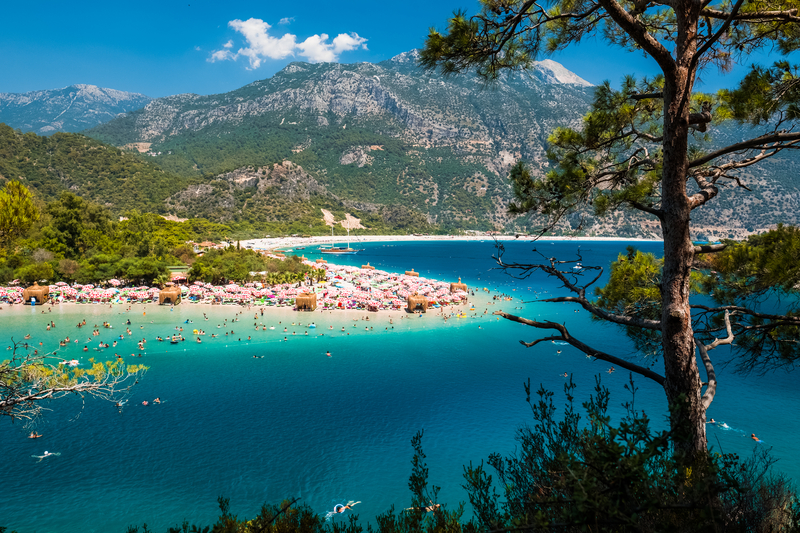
636 148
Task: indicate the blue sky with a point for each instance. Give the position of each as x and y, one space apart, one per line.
207 47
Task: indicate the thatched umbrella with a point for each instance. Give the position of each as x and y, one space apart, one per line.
278 254
306 301
412 273
171 294
367 267
39 294
320 261
458 286
415 302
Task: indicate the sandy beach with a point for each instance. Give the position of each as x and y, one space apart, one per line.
291 242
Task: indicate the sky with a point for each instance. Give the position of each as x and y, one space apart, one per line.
208 47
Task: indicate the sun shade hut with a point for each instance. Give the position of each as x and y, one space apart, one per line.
278 254
458 286
412 273
171 294
417 302
367 267
306 301
35 293
320 261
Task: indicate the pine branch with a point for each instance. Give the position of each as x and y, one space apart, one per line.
588 350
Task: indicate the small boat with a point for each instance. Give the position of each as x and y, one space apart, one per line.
339 250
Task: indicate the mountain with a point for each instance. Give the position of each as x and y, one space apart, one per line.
72 108
374 135
402 149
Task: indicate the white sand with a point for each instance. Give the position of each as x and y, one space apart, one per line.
289 242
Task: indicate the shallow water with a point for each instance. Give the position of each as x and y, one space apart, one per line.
327 429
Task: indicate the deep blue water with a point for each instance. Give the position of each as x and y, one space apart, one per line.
297 423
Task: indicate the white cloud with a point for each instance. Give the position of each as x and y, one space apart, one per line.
261 45
197 48
221 55
286 20
317 50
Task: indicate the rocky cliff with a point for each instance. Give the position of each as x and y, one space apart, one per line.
70 109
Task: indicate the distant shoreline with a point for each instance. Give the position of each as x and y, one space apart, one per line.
285 242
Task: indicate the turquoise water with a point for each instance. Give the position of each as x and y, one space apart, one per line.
298 423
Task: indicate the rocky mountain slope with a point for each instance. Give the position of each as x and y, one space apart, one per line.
381 134
72 108
402 147
389 134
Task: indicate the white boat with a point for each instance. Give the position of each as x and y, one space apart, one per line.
339 250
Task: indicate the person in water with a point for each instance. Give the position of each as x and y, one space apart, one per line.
340 508
753 436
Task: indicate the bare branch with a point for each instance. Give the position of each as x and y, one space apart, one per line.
639 34
588 350
758 142
647 96
623 320
789 15
711 389
27 381
719 33
709 248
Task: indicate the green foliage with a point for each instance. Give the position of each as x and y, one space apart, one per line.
765 263
217 266
742 277
76 226
17 212
77 240
101 173
762 93
633 287
570 476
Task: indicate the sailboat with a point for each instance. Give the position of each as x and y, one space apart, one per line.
340 250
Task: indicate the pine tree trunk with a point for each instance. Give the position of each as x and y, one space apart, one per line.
682 378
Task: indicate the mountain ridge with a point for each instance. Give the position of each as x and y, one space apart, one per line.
72 108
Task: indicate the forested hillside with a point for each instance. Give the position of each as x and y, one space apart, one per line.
274 198
379 134
104 174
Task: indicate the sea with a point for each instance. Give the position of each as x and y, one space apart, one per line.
258 419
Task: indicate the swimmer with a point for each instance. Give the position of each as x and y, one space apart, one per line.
611 370
328 353
339 508
46 454
157 400
34 435
712 421
753 436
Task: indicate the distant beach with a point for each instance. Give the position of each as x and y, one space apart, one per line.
291 242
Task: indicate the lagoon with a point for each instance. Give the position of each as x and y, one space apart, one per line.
327 429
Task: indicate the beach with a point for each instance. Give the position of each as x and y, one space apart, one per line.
291 242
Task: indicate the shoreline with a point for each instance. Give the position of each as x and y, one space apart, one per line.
283 242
